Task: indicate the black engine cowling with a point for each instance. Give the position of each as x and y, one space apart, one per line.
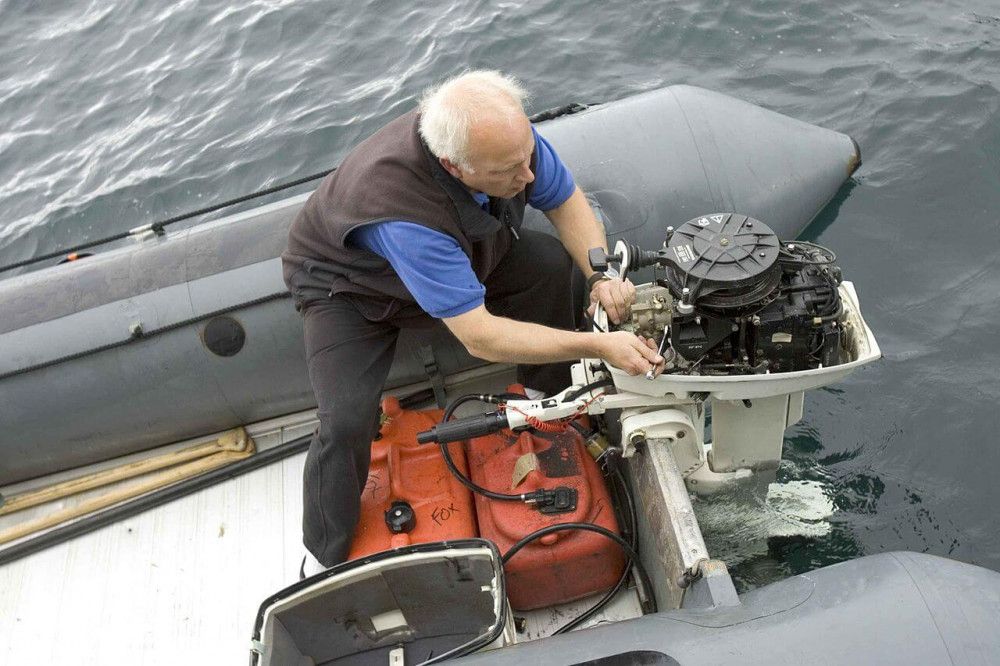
744 301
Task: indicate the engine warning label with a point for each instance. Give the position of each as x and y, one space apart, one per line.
684 253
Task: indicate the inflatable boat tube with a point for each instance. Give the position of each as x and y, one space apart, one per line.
891 608
193 332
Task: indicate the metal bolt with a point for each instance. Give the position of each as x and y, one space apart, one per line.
724 242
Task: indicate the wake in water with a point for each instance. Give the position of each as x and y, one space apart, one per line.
738 523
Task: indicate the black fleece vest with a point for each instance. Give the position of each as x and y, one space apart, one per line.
392 175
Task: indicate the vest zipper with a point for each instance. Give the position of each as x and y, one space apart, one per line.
506 219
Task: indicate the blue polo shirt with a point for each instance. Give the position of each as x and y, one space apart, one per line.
432 264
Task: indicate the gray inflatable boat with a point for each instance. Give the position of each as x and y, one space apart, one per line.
191 332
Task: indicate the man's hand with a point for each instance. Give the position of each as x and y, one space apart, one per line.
615 296
634 354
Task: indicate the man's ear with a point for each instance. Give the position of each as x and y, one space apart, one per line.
450 167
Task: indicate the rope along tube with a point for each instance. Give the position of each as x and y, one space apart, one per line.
157 227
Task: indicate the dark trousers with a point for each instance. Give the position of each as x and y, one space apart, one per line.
349 358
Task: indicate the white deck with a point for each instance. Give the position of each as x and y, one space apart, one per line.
181 583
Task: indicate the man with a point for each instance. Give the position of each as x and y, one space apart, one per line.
422 222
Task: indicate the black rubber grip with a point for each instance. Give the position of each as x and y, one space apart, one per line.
459 429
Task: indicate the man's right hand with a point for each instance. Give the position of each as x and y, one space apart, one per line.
632 353
504 340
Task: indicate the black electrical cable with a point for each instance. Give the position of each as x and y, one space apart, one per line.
599 606
152 500
797 257
593 322
157 227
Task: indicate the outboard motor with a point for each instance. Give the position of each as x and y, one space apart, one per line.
734 299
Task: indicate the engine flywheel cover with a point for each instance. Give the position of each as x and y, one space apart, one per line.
725 252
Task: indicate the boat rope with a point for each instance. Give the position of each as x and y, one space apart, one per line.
138 334
564 110
157 227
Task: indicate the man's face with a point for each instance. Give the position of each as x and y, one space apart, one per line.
500 156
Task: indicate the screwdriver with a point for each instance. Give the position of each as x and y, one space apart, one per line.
659 352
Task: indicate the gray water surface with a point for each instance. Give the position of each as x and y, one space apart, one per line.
117 113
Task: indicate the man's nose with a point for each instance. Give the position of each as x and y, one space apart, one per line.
526 174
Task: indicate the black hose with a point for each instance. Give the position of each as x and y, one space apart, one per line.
152 500
464 480
633 557
631 528
596 608
600 383
632 523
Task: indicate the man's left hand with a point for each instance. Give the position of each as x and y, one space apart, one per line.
615 296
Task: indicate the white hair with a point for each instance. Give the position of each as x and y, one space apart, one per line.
448 111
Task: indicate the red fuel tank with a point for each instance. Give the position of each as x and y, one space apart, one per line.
558 567
403 471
